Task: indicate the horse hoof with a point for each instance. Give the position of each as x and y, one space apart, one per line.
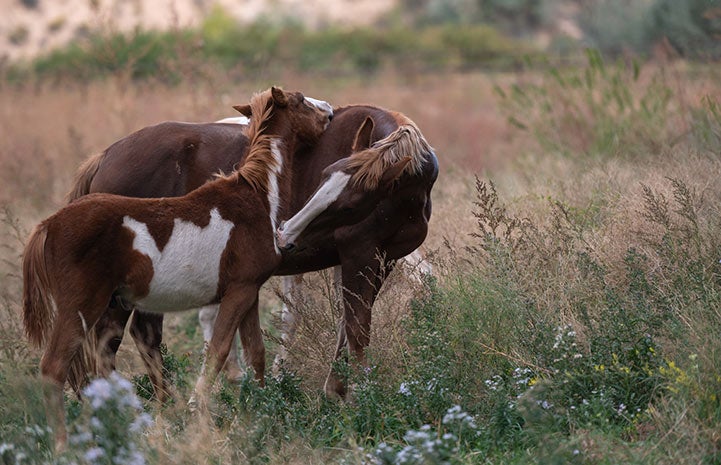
334 389
193 404
234 375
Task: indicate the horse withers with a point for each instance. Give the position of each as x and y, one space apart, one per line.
215 244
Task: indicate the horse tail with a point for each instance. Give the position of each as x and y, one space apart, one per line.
38 305
84 177
84 363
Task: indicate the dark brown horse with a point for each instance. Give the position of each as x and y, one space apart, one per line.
215 244
170 159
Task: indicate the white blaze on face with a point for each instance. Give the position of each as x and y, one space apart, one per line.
186 272
321 105
324 196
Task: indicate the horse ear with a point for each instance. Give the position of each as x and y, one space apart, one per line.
243 109
362 138
392 173
279 96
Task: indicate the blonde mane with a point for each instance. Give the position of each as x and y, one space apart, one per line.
260 159
406 141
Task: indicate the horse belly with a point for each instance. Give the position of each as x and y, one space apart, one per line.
189 286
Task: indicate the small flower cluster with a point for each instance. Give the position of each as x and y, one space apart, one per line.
428 446
21 453
114 426
10 454
564 347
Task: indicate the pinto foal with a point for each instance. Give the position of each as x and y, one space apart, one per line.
215 244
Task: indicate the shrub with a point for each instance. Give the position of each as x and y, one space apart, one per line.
599 110
692 27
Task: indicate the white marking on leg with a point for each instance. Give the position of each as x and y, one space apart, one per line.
417 267
293 295
324 196
206 317
186 272
338 286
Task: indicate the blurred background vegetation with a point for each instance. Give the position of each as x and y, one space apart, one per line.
416 35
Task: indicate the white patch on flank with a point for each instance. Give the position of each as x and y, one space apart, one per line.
324 196
186 272
244 120
273 190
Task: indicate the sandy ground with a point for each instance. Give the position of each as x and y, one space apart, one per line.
30 27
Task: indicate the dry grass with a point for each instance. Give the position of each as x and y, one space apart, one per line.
47 131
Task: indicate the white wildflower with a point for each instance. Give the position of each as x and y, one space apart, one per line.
93 454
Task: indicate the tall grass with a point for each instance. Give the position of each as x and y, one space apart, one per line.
574 312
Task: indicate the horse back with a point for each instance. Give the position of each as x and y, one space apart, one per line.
168 159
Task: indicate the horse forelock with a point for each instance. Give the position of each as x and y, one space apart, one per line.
405 142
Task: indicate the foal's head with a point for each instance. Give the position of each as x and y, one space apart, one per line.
349 190
286 114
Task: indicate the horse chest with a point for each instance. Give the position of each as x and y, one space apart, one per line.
186 271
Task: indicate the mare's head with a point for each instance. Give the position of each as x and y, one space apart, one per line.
348 191
287 114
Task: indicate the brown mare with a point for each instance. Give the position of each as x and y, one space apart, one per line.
173 158
215 244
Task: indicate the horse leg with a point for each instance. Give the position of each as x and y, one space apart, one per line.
206 318
251 337
108 334
69 331
234 306
361 285
293 293
147 332
416 266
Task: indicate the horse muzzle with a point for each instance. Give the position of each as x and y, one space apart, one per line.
281 238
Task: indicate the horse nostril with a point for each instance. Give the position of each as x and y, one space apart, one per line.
330 117
289 247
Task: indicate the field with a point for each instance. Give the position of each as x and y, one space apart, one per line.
573 316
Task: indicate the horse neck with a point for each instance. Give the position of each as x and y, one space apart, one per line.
269 170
